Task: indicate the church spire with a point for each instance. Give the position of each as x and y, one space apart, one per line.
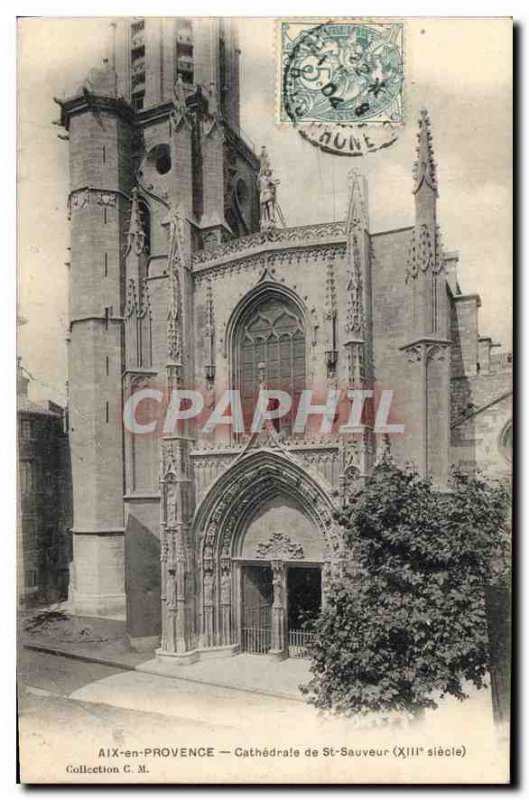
356 226
357 210
425 166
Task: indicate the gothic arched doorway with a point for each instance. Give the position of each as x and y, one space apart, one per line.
278 556
262 519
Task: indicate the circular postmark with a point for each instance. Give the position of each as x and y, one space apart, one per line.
342 84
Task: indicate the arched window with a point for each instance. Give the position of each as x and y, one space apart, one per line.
270 346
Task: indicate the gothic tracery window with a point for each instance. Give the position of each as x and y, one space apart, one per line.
270 346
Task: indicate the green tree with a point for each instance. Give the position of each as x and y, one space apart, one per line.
406 621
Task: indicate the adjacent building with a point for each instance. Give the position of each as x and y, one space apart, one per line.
44 500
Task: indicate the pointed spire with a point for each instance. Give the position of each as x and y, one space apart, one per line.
357 215
425 167
136 233
356 225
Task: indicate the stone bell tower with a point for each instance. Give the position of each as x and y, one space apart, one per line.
428 351
158 169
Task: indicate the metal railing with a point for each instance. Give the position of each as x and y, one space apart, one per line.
298 641
256 640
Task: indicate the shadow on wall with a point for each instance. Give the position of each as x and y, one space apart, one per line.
142 580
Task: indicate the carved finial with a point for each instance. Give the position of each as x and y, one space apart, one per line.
356 208
425 167
136 238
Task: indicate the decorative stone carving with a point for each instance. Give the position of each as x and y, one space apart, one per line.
171 589
422 252
279 546
171 500
136 237
298 255
174 313
331 354
106 199
79 198
436 352
424 166
225 581
278 637
425 253
210 337
414 354
132 299
267 193
297 235
213 102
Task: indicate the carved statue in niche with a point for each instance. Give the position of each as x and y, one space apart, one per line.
179 91
267 192
213 105
171 500
225 583
171 588
208 587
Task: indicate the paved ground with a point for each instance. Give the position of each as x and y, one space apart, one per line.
56 630
104 641
79 717
250 672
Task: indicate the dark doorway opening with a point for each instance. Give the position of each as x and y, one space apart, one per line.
304 595
257 598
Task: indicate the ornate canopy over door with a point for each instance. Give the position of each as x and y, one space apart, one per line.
270 346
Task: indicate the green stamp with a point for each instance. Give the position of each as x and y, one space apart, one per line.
348 73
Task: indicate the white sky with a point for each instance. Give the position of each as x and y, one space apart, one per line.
459 68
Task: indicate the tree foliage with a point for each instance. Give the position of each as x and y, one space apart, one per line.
406 621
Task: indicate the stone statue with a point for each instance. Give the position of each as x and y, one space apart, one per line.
179 91
171 589
213 105
267 192
171 501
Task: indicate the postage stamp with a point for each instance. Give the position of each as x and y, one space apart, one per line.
350 73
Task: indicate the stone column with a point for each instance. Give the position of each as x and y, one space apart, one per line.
279 649
225 601
208 581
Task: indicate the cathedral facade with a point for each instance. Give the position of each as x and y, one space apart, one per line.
183 276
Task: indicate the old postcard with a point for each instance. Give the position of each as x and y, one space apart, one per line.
264 400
